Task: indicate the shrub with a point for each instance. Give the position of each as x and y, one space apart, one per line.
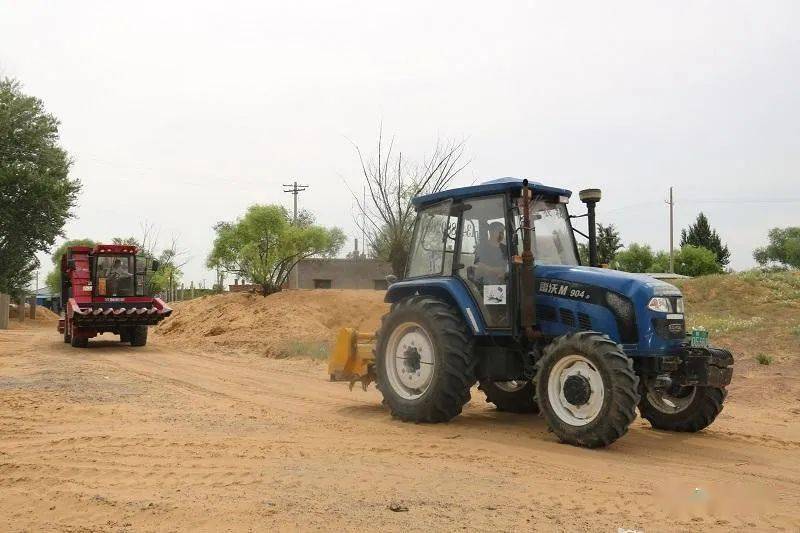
764 359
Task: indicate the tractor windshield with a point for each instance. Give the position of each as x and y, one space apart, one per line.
553 243
114 275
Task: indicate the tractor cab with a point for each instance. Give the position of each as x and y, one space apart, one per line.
483 227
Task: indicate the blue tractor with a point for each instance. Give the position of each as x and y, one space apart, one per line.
494 293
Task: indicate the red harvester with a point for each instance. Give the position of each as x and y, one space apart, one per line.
103 290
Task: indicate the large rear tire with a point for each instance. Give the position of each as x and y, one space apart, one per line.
511 396
587 389
687 409
424 360
138 335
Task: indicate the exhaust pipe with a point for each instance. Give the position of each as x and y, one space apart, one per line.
590 197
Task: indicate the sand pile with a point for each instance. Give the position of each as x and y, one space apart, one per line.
43 314
278 325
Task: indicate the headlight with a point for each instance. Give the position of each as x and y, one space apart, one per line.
679 305
660 304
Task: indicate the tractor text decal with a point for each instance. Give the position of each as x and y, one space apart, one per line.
565 290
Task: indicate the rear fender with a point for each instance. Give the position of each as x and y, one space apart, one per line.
450 290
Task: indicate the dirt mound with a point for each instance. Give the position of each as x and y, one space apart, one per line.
43 314
288 323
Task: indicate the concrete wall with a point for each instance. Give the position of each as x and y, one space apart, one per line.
341 273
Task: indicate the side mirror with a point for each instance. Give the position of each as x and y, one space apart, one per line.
155 265
70 264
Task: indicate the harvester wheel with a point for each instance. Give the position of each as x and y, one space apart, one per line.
682 408
511 396
79 342
587 389
138 335
424 360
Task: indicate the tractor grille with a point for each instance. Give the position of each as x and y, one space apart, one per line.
584 321
546 312
567 316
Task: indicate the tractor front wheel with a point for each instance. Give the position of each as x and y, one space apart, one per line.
682 408
511 396
424 360
587 389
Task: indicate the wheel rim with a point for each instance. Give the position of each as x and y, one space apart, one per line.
510 386
575 390
672 400
409 360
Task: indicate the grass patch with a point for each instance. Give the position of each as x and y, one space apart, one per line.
318 350
764 359
723 324
796 331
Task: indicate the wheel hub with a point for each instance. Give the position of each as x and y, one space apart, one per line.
409 360
577 390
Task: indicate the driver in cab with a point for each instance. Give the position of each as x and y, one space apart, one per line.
491 261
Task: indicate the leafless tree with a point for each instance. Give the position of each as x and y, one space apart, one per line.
385 214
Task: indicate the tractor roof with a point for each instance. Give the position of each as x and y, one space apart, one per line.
495 186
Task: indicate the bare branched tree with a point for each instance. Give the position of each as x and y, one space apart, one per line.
386 215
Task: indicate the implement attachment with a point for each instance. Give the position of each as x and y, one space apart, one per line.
352 359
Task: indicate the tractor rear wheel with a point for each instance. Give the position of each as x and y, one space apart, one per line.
138 335
587 389
682 408
511 396
424 360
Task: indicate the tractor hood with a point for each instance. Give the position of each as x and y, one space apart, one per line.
637 287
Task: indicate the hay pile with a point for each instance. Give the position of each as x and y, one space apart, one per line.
273 326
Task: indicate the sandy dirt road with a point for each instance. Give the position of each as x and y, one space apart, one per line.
116 438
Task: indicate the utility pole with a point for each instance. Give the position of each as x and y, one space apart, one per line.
671 203
294 189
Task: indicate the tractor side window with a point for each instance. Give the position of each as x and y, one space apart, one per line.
483 262
434 242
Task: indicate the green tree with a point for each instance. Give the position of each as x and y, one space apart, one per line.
36 194
583 253
608 243
783 248
53 280
701 234
696 261
263 246
635 258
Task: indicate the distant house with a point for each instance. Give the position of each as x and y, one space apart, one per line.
319 273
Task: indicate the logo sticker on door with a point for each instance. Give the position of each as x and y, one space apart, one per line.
494 294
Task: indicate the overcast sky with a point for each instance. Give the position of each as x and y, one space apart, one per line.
185 113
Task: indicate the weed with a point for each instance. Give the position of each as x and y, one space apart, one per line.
298 348
764 359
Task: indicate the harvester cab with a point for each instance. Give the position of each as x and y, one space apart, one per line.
103 289
494 293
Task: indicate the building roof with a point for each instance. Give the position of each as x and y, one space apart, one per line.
495 186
